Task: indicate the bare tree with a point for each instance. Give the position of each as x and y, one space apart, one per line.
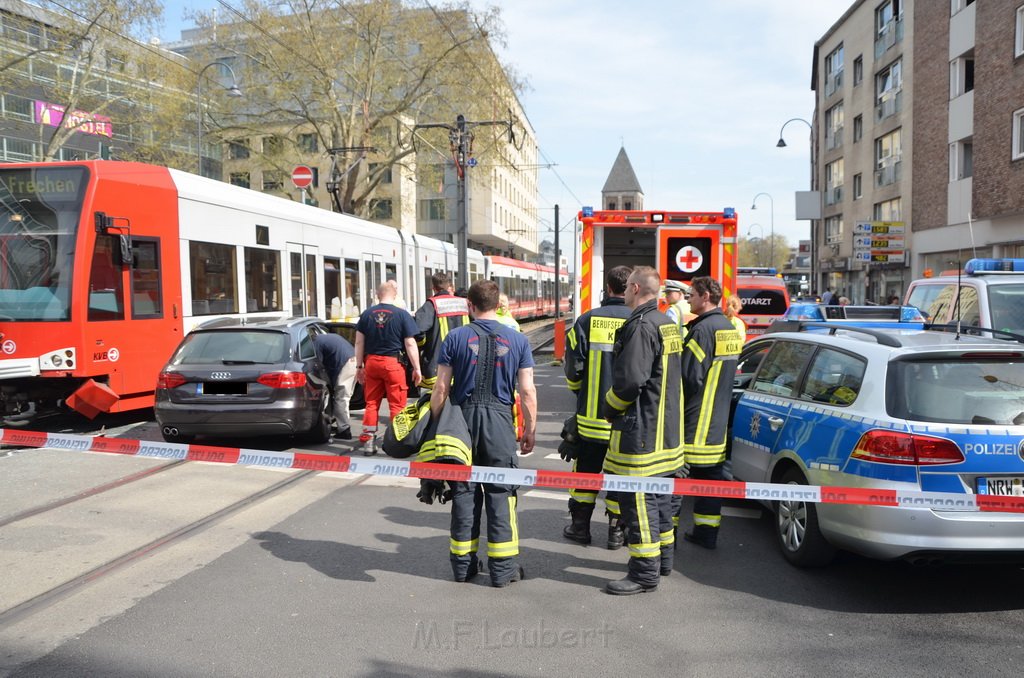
358 75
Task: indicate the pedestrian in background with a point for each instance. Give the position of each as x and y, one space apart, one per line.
504 315
588 372
384 334
710 356
733 306
678 307
644 407
339 359
844 301
481 365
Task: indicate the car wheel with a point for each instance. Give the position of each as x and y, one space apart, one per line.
320 433
796 526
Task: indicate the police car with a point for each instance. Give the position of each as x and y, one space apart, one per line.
890 409
893 317
989 293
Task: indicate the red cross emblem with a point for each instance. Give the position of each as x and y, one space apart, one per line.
689 259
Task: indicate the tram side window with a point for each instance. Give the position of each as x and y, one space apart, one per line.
147 295
106 285
213 273
262 280
351 301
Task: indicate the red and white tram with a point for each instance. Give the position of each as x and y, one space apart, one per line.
530 287
104 266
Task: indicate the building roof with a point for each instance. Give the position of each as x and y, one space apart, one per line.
622 178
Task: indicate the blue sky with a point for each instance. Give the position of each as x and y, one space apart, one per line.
696 91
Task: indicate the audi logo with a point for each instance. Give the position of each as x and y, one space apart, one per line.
220 375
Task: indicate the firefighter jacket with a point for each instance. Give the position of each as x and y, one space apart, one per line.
710 354
438 316
588 364
645 401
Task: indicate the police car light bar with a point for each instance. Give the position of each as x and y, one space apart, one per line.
980 266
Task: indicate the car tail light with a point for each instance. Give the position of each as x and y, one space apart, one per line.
283 379
893 447
169 380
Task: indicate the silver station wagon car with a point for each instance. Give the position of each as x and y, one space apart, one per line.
915 409
232 377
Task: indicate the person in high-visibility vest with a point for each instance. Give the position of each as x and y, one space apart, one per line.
588 373
644 405
678 307
710 355
439 315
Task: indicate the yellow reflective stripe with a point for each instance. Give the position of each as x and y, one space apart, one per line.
573 385
668 538
442 323
507 549
659 427
583 496
641 512
597 435
445 447
653 469
572 338
707 404
612 505
697 351
709 520
594 384
645 550
675 521
422 341
463 548
615 401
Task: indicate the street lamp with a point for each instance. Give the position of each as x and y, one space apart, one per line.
814 231
760 248
771 201
232 91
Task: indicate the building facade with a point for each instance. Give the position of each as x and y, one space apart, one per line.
969 157
864 122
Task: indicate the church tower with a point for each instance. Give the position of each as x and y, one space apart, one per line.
622 190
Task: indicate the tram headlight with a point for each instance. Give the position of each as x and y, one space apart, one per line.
61 359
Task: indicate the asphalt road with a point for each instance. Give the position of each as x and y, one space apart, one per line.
347 575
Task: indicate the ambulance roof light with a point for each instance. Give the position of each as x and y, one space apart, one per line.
729 213
588 211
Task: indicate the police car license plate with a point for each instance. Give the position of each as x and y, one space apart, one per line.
1006 487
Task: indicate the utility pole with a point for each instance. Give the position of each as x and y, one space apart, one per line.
558 269
460 138
333 184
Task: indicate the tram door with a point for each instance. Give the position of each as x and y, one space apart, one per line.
373 276
302 264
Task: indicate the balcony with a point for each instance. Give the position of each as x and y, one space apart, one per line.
833 195
833 83
888 173
889 105
890 34
833 139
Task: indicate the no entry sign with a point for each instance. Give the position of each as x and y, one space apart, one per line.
302 176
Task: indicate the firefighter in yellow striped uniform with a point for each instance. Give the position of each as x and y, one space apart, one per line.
588 372
438 316
644 406
710 356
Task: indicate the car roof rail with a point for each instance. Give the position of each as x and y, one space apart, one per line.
883 338
222 321
952 327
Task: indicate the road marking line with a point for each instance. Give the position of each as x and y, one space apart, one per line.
737 512
544 494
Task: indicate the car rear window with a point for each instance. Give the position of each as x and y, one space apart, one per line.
958 390
762 301
244 346
1006 303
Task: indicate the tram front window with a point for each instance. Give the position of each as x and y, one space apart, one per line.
39 219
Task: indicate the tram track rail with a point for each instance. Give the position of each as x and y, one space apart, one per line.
77 583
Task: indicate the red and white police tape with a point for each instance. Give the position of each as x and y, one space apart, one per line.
518 476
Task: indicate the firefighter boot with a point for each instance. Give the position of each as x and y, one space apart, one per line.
703 535
616 533
579 530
